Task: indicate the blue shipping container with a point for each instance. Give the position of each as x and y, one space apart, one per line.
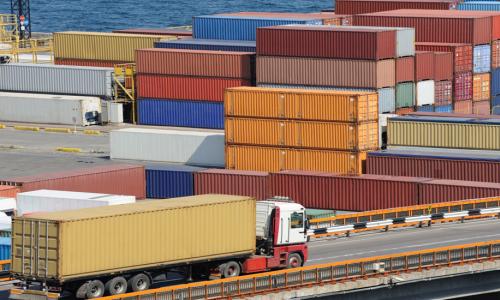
480 5
5 246
495 82
426 108
444 108
482 59
181 113
495 110
495 101
212 45
170 181
244 28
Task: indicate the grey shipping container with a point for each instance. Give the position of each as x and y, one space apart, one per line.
52 79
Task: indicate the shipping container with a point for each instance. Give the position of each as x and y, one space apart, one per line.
196 63
481 107
353 193
425 108
326 72
425 92
462 107
54 200
119 179
222 27
232 182
445 132
170 180
444 108
495 101
203 148
5 248
302 134
327 42
405 110
424 65
442 93
153 229
180 113
382 129
355 7
462 54
495 54
185 88
443 66
405 94
85 62
327 18
102 45
387 100
481 87
479 5
482 59
405 69
50 109
434 163
495 82
157 31
50 79
495 20
434 25
463 86
272 159
8 191
298 104
442 190
213 45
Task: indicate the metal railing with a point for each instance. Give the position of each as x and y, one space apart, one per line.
34 48
325 273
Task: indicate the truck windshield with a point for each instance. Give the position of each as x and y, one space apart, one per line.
297 220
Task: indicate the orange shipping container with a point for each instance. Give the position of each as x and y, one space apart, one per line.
302 134
338 106
462 107
269 159
481 87
8 191
405 110
495 54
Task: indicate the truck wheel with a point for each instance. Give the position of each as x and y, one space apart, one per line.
139 282
294 261
230 269
116 286
95 289
81 292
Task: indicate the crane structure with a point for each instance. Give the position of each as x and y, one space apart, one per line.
21 8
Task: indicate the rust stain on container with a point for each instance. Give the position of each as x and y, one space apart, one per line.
462 54
443 66
481 87
405 69
424 65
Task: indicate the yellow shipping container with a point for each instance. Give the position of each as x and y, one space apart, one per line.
270 159
339 106
302 134
463 135
118 238
102 45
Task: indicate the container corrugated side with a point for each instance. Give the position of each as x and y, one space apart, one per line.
180 113
369 6
51 79
462 54
85 62
8 191
326 72
443 91
298 104
495 82
76 233
405 69
170 181
231 182
156 31
481 87
387 100
482 59
444 108
463 86
405 94
425 92
481 107
269 159
213 45
405 38
443 66
495 54
440 190
102 45
302 134
424 65
5 248
479 5
462 107
204 148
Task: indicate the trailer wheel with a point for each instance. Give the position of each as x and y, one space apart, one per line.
230 269
116 286
95 289
294 261
139 282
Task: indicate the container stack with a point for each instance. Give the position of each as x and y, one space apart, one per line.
271 129
355 7
185 88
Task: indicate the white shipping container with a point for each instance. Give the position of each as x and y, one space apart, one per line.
382 125
425 92
50 109
205 148
52 200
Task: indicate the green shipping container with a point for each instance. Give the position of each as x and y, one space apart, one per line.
405 94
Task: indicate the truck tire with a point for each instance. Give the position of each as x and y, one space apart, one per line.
95 289
116 286
294 261
230 269
139 282
81 292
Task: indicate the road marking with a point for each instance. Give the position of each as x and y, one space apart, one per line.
65 149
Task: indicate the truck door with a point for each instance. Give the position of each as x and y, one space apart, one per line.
292 229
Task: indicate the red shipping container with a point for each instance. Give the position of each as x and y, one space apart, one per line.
424 65
495 54
443 66
405 69
462 54
232 182
434 164
463 86
185 88
86 62
326 42
495 20
481 107
369 6
110 179
8 191
443 92
442 190
196 63
454 115
440 26
463 107
156 31
404 110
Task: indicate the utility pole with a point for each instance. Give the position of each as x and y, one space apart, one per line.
21 8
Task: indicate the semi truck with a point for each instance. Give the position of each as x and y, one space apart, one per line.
112 250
